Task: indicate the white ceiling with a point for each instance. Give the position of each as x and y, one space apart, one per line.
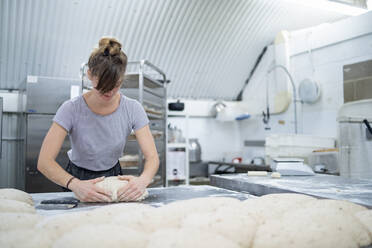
207 48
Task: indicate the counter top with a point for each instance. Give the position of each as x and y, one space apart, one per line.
157 197
321 186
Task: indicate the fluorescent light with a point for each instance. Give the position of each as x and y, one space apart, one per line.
333 6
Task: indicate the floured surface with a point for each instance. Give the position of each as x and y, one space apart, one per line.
323 186
157 197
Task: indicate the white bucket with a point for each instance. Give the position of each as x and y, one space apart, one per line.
355 148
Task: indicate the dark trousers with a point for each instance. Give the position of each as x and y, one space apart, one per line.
85 174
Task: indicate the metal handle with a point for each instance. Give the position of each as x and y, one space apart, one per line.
368 126
1 126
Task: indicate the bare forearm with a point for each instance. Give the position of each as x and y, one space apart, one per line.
150 168
53 171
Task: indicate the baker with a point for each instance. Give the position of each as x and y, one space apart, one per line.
98 124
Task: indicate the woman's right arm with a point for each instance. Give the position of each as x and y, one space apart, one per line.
85 190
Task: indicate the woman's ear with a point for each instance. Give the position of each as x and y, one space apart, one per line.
89 75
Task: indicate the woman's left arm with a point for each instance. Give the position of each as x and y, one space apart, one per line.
137 185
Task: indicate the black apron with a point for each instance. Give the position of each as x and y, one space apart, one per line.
85 174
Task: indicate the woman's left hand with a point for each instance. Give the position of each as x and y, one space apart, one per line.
133 190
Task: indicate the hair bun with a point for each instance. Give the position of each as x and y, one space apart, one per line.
110 44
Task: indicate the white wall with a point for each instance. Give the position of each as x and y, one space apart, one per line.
318 53
218 140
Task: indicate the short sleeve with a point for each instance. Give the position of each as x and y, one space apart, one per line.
64 116
139 116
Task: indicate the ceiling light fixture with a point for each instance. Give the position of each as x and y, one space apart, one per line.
331 6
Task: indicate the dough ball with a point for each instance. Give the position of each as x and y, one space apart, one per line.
147 221
119 213
113 184
16 195
293 197
274 206
186 238
57 225
15 206
239 228
275 175
13 221
312 227
98 236
25 238
113 210
174 212
337 205
365 217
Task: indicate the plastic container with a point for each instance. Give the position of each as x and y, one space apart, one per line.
355 146
324 161
295 145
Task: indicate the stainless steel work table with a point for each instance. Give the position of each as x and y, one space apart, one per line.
157 197
321 186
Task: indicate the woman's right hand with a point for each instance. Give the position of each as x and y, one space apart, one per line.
87 191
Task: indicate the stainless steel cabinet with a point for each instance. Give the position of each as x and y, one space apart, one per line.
37 127
44 95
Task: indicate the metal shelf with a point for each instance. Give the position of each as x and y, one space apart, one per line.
132 81
154 116
151 93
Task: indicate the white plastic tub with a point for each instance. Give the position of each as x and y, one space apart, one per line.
295 145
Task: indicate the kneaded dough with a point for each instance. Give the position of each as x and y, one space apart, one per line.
99 236
365 217
24 238
16 195
274 206
312 227
186 238
176 211
113 210
257 173
239 228
57 225
12 221
113 184
275 175
338 205
15 206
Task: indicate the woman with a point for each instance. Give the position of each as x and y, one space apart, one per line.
98 124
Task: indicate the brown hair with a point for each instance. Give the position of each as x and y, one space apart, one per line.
108 63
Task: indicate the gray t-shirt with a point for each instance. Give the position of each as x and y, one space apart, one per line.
97 141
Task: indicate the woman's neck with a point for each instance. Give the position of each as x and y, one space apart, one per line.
99 106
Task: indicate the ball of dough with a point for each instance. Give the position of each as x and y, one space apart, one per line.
98 236
293 197
312 227
113 210
24 238
365 217
16 195
337 205
273 206
186 238
15 206
57 225
116 213
113 184
176 211
147 221
12 221
239 228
